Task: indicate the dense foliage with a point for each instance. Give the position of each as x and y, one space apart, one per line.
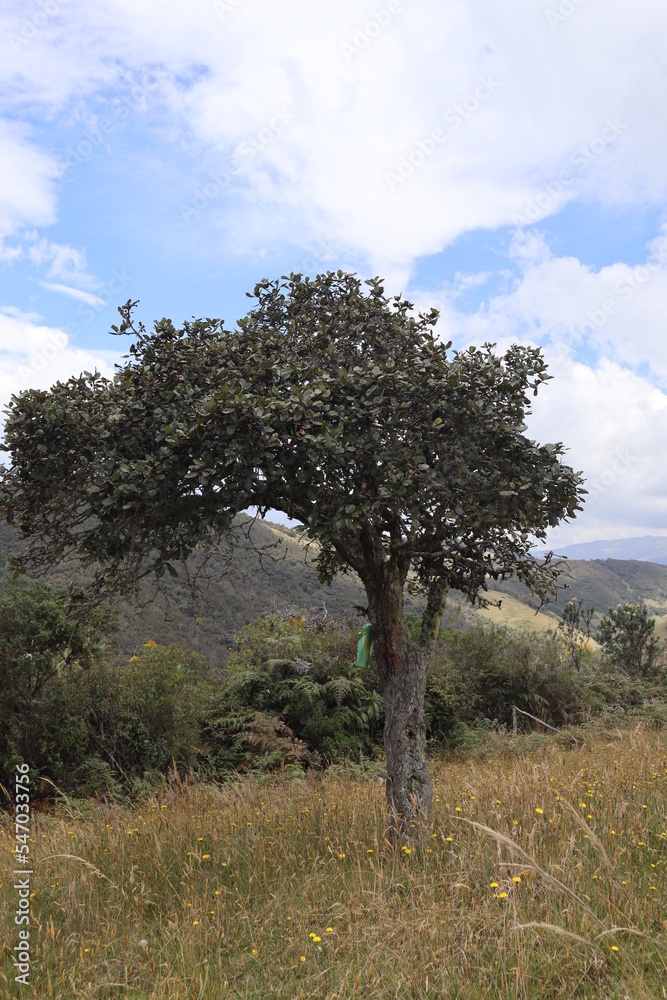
41 636
627 635
94 723
340 408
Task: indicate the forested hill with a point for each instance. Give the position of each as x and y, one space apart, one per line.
604 583
237 594
232 596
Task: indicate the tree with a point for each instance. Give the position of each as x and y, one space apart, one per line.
40 633
339 408
627 637
575 628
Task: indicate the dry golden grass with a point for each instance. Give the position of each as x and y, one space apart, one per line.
515 614
661 627
544 876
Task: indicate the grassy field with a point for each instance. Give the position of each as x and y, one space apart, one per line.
514 614
545 875
661 627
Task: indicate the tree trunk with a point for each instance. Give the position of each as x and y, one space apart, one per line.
409 786
402 670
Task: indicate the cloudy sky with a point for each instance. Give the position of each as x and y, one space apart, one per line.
502 162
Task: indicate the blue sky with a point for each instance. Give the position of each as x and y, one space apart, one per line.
503 163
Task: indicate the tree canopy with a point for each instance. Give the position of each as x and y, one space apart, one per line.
340 408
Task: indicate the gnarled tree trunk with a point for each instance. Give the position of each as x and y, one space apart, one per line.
402 670
409 786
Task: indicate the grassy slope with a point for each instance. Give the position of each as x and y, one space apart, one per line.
286 888
604 584
661 627
515 614
232 598
236 595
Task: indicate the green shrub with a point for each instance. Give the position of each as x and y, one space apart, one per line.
144 715
112 727
627 635
41 636
481 672
303 679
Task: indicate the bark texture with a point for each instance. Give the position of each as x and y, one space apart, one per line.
402 669
409 786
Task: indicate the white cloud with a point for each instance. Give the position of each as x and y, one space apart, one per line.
34 356
15 313
614 423
73 293
63 261
616 311
357 118
401 133
603 337
27 190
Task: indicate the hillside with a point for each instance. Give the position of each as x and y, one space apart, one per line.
516 614
230 597
648 548
235 594
604 583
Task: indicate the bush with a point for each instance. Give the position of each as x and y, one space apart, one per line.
291 698
114 727
627 635
146 714
292 694
41 637
481 672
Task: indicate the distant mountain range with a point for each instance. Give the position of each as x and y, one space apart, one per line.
648 548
